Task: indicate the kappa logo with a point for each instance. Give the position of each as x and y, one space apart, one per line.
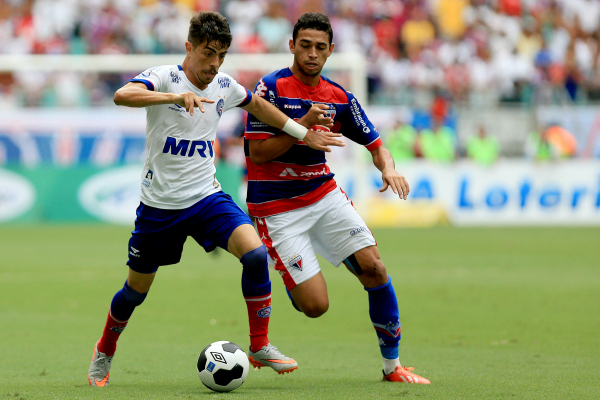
117 329
296 262
288 171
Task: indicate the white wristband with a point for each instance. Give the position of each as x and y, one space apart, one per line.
294 129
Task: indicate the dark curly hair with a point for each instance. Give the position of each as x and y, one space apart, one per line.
210 27
317 21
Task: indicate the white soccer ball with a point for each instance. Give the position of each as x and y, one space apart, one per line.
223 366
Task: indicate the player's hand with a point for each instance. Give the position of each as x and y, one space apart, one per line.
190 101
399 185
321 140
316 116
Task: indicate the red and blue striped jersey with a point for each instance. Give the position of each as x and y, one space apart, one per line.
300 176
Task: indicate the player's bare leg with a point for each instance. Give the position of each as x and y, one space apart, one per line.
311 296
245 244
367 266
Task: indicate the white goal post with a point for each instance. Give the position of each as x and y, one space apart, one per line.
354 63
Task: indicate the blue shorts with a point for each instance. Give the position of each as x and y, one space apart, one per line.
159 234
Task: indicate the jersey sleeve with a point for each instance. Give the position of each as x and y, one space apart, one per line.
152 78
256 129
357 127
238 95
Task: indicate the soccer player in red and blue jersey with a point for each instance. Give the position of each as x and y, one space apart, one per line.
298 207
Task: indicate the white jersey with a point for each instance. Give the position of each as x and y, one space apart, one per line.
179 170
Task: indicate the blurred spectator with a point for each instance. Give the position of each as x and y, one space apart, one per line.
418 31
483 148
480 52
550 142
438 143
274 29
537 146
402 140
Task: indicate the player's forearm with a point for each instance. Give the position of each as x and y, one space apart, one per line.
266 112
140 97
382 158
262 151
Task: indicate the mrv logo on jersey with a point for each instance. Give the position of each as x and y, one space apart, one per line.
196 146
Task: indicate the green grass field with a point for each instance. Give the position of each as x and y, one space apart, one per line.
486 314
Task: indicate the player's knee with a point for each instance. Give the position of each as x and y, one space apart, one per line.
255 260
374 273
315 310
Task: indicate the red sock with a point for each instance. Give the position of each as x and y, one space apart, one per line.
259 311
112 330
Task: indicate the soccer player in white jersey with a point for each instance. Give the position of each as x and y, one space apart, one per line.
180 195
299 208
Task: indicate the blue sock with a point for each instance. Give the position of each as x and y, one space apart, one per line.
383 310
125 301
255 274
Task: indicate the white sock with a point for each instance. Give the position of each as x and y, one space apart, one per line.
390 365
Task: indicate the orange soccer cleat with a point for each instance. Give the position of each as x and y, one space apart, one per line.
403 374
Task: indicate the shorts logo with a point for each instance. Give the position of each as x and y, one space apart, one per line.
211 366
117 329
264 312
134 252
220 105
296 262
358 230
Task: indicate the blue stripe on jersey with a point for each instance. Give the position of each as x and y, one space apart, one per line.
146 82
262 191
247 100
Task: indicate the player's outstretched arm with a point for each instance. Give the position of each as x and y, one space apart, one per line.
136 94
382 159
271 115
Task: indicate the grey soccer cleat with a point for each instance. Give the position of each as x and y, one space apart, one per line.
269 356
99 368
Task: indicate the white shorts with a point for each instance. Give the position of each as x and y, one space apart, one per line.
330 227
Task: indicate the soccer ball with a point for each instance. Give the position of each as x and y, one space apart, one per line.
223 366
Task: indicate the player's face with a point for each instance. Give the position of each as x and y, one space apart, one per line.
205 61
311 50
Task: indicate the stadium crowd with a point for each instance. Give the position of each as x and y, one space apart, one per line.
475 52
